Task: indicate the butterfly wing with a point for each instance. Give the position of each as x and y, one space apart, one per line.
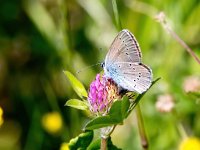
131 76
124 48
123 64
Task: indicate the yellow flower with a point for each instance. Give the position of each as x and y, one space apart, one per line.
1 116
52 122
64 146
191 143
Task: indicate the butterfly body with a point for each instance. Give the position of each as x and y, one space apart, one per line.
123 64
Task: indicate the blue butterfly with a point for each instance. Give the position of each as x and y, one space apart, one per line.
123 64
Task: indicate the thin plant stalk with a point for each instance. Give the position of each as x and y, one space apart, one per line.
180 128
116 15
162 19
104 143
143 137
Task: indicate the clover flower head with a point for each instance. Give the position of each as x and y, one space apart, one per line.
165 103
102 93
191 84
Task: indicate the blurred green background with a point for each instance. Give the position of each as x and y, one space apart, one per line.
41 38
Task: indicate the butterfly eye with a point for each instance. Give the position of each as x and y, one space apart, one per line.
103 64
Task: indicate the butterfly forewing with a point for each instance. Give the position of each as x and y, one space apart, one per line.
123 48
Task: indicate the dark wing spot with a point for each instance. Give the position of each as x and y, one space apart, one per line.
139 75
129 64
134 80
126 53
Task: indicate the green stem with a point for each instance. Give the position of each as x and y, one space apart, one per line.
181 130
116 14
142 132
179 125
51 97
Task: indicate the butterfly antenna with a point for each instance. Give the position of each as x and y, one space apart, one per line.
85 68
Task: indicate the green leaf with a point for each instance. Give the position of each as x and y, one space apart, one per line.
76 84
76 103
115 111
125 107
96 144
82 141
100 122
117 114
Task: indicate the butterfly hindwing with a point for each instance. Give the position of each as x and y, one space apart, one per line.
134 77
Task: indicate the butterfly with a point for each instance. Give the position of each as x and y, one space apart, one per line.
123 64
